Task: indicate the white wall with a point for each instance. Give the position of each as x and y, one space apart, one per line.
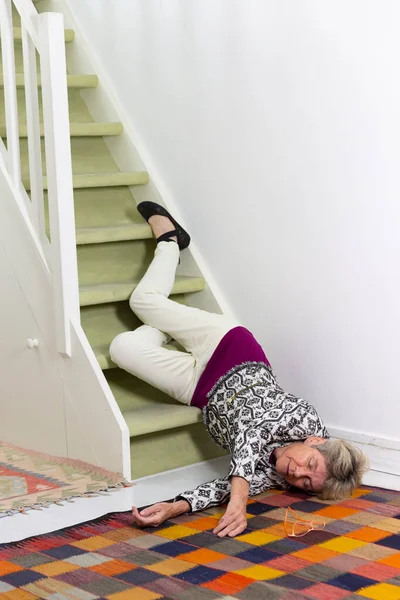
275 126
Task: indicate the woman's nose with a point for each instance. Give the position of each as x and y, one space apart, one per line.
300 472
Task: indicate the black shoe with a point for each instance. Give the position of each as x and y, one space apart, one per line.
149 209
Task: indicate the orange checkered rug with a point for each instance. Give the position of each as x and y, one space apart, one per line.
356 555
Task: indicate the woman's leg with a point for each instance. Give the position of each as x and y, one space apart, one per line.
141 353
198 331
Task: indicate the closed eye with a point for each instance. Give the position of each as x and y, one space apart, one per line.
308 484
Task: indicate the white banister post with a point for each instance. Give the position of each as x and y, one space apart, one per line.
10 91
33 128
59 177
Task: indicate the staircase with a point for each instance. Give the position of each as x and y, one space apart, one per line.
114 247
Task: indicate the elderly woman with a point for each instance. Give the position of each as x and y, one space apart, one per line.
275 439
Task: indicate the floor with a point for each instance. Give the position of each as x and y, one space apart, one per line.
355 553
36 522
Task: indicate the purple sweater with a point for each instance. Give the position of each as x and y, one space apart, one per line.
236 347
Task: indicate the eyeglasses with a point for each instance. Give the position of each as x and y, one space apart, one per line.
301 526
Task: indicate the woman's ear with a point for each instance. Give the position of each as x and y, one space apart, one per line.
314 441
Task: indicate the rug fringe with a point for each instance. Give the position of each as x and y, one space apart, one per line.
60 501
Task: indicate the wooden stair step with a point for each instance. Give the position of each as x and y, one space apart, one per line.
73 81
69 34
119 291
76 129
103 322
164 433
102 354
116 233
93 180
155 418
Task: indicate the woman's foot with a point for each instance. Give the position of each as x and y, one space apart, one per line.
160 224
164 226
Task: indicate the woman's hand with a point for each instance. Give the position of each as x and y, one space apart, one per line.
234 520
158 513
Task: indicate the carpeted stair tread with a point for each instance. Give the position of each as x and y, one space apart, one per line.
90 156
102 354
89 129
116 233
69 34
164 434
73 81
132 393
94 180
118 262
102 322
119 291
92 165
146 409
160 418
106 207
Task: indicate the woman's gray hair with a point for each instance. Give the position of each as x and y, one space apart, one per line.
345 464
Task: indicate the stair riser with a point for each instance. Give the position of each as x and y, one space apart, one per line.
73 81
76 129
120 261
103 322
69 35
164 450
133 393
19 60
106 207
78 111
89 155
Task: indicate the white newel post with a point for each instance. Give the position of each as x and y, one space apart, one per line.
59 177
10 92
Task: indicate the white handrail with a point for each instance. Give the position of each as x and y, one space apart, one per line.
43 33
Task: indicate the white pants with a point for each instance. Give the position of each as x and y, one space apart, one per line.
141 352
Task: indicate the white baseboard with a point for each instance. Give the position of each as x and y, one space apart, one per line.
383 453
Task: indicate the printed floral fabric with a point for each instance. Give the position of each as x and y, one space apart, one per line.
250 415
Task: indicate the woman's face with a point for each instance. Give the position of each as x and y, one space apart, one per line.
302 466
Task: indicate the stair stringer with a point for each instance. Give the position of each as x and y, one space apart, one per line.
93 428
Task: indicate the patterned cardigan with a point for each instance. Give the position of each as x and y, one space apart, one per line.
250 415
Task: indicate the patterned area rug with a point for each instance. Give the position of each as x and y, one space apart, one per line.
31 479
357 555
